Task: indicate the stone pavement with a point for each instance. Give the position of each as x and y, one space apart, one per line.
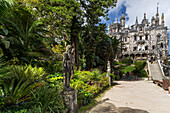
134 97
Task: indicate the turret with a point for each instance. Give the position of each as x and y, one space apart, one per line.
153 21
144 21
162 22
157 16
122 21
117 20
136 20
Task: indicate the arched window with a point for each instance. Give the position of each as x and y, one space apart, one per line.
140 28
158 37
146 37
125 39
135 38
162 46
153 47
140 37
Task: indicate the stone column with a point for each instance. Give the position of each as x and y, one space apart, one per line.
70 99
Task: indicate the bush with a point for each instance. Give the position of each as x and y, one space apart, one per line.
83 75
84 82
127 61
143 73
47 99
96 74
139 66
128 69
16 84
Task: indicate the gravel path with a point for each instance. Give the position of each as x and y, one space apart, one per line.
134 97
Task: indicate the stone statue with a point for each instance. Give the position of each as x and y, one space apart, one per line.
108 72
67 68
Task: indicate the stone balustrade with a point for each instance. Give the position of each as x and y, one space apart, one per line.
141 41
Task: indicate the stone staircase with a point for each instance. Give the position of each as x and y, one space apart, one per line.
156 73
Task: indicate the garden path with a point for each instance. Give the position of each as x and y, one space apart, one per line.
134 97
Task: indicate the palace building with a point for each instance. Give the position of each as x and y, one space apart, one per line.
142 41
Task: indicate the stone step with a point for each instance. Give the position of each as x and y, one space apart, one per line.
156 72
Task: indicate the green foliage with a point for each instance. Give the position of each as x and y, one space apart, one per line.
96 75
83 80
139 66
22 36
83 75
127 61
47 99
17 82
128 69
142 73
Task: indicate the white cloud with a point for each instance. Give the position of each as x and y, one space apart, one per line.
139 7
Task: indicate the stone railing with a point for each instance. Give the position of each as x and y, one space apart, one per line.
141 41
166 69
136 52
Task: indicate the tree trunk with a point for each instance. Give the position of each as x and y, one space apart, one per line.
74 40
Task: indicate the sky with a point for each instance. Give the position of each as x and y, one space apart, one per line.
137 8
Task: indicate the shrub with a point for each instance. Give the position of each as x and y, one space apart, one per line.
127 69
96 74
83 75
127 61
47 99
16 84
140 65
143 73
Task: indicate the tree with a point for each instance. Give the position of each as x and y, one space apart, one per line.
92 30
22 36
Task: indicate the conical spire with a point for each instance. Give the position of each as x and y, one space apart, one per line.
123 16
162 19
144 15
136 20
117 20
157 14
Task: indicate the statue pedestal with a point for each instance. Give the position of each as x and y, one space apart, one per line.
70 99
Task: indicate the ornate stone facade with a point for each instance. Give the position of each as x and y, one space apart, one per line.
142 41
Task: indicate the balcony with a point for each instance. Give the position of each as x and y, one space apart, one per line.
141 41
138 52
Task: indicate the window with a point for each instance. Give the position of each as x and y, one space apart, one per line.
153 47
146 47
125 39
120 39
140 37
162 45
158 38
135 48
140 28
135 38
146 37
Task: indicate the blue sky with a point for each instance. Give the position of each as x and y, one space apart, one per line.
137 8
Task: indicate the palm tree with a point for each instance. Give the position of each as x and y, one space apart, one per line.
21 35
5 5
